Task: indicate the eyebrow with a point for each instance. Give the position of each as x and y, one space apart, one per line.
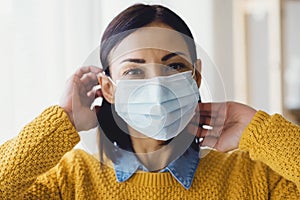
165 58
135 60
168 56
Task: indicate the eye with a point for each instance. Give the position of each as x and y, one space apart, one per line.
177 66
133 72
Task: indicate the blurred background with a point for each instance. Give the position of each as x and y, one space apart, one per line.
254 43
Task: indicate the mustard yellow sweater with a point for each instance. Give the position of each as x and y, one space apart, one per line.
38 164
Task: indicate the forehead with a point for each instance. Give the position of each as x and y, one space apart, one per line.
160 39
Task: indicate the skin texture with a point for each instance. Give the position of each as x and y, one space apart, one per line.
228 121
78 96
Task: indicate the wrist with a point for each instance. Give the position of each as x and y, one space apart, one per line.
70 115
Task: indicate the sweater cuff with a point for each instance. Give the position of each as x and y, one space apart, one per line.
252 135
59 118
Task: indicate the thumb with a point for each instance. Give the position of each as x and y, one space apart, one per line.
76 102
229 139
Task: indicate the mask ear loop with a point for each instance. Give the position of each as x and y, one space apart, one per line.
108 77
194 70
99 100
112 81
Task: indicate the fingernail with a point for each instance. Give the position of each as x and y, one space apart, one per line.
207 127
97 102
96 87
101 74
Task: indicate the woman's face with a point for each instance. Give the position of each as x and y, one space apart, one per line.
154 50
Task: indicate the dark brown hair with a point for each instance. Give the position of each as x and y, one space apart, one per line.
138 16
126 22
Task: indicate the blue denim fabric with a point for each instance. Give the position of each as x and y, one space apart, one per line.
182 169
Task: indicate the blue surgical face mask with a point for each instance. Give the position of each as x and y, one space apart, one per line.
159 107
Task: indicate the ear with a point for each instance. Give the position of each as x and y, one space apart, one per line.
107 88
198 66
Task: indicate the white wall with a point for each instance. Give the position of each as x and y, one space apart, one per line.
292 54
43 42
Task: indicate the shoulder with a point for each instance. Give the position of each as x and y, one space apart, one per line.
235 167
78 158
78 165
232 160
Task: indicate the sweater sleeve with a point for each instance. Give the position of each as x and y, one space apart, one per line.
275 142
36 150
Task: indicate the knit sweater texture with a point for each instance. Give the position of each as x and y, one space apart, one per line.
40 163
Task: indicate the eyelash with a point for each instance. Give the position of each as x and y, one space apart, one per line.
138 71
126 72
182 66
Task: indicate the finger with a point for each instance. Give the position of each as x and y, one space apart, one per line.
201 130
209 141
230 138
225 145
214 125
212 120
91 93
95 92
83 70
210 106
222 147
225 142
196 126
210 131
89 80
202 120
207 122
212 109
75 96
194 130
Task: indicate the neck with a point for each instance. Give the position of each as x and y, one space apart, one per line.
152 153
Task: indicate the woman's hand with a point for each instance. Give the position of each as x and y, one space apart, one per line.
227 122
78 96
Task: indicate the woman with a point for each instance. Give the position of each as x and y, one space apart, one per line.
37 163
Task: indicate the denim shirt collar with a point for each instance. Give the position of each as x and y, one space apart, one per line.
182 169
